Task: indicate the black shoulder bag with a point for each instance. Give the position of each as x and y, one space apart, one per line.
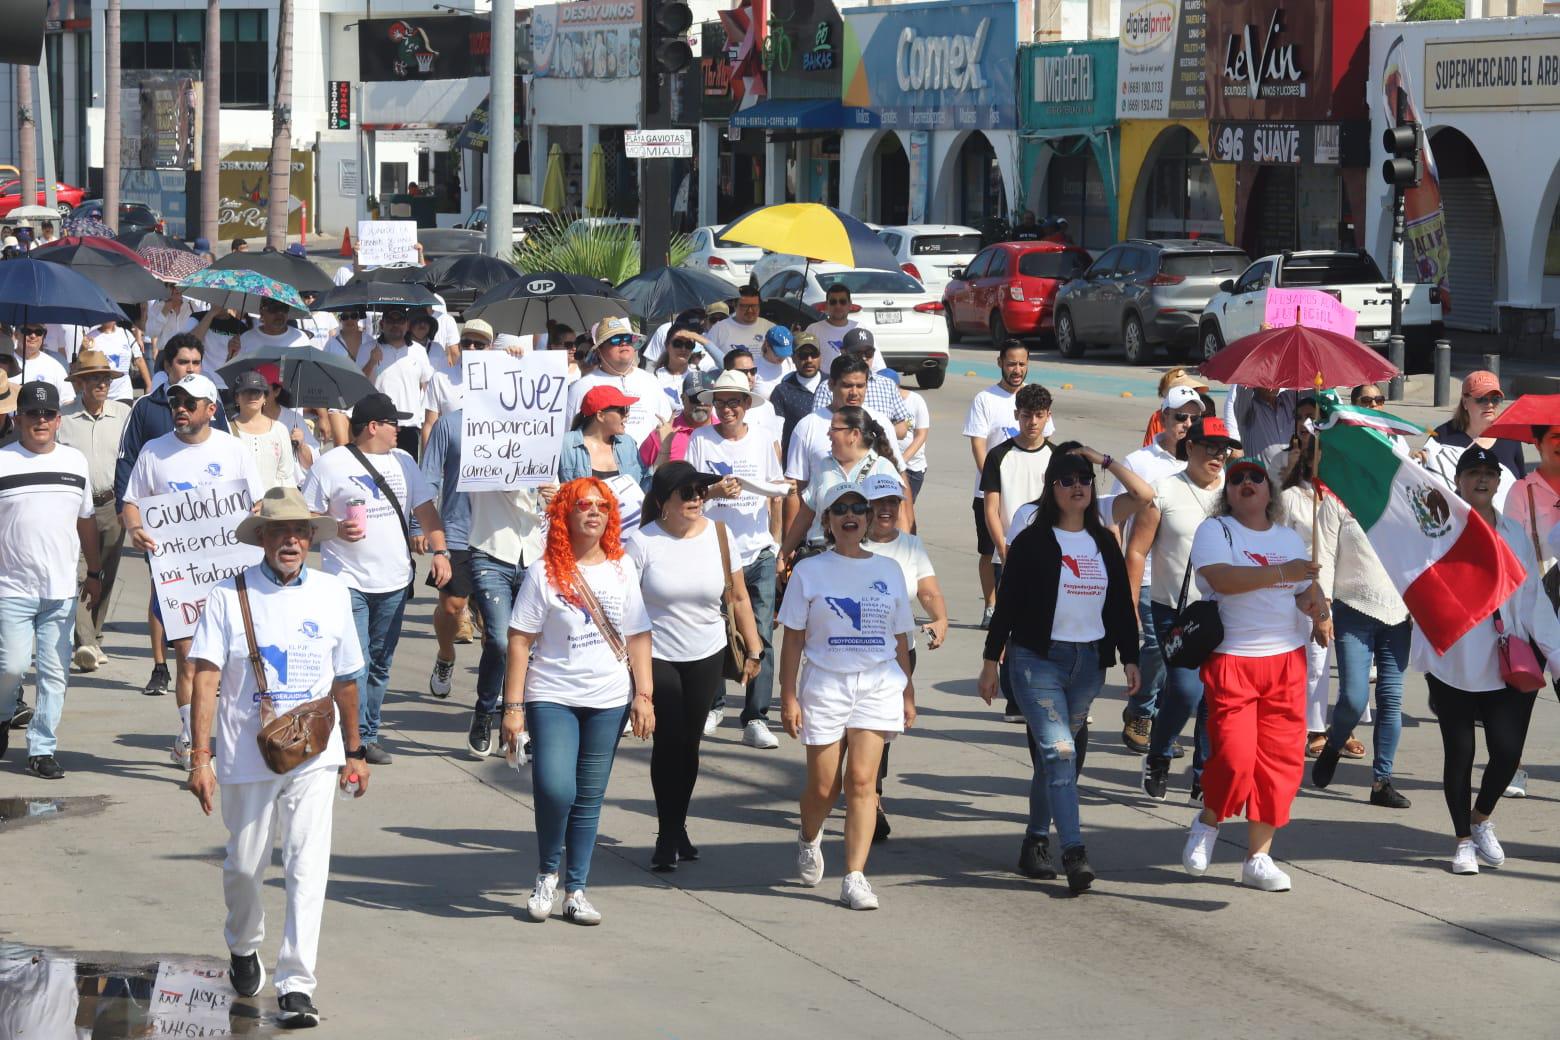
1197 630
400 514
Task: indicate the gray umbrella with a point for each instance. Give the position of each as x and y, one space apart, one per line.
312 377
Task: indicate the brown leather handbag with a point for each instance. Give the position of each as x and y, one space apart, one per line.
286 741
733 663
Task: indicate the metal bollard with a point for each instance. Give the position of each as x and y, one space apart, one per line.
1443 373
1396 351
1492 363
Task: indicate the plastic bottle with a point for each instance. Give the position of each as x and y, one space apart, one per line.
350 791
519 754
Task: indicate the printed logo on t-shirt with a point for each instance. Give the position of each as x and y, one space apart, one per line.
369 485
721 468
213 473
295 670
1072 564
871 615
1010 431
1260 559
1088 576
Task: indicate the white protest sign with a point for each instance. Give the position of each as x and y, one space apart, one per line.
191 1001
382 242
197 546
513 420
658 144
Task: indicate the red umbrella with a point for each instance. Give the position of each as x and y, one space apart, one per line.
1517 421
107 245
1297 358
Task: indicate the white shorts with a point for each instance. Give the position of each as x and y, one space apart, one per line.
833 702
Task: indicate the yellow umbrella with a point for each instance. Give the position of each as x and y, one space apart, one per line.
812 230
552 186
596 191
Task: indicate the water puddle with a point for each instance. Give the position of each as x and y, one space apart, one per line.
52 993
15 812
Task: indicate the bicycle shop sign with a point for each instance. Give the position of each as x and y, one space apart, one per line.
944 66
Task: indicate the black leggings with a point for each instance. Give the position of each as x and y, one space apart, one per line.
1505 714
684 693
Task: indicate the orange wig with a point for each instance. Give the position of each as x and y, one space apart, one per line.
560 547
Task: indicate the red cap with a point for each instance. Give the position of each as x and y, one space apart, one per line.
271 371
605 397
1211 428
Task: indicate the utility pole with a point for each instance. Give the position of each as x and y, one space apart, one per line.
26 136
112 94
663 54
211 124
501 131
280 189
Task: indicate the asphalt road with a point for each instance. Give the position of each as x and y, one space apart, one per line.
425 934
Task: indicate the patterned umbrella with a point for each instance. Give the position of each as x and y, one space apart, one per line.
241 291
107 245
88 226
172 265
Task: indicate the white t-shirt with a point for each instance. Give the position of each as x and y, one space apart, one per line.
1183 506
1080 590
1153 463
630 499
254 339
338 346
831 341
915 564
47 368
920 419
1261 623
168 464
273 454
216 344
991 410
732 333
319 327
121 349
380 561
160 325
682 586
647 412
402 374
446 391
753 457
767 374
851 610
570 661
41 498
307 640
64 341
810 442
671 384
343 274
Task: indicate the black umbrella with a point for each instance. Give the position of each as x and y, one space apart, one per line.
462 277
312 377
375 296
297 271
149 239
524 306
780 312
399 274
35 292
116 274
663 293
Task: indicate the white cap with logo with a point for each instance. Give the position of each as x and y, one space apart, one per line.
199 387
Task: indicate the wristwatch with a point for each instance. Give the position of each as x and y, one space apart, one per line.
359 752
95 575
759 656
441 552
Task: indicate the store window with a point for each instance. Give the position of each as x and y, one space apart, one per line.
246 59
1182 197
1075 191
174 41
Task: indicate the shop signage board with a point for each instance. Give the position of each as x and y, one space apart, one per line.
1511 72
1067 85
414 49
1285 60
244 186
1276 143
338 105
586 39
658 144
937 66
1160 56
804 57
715 100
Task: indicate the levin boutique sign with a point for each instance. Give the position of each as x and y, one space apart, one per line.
1273 60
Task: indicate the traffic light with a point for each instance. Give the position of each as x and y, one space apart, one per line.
1402 145
669 21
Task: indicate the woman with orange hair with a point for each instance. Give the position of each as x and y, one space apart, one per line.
579 663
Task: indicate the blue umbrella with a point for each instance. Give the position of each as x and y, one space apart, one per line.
51 294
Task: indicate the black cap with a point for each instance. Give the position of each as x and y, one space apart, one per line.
858 341
251 380
377 408
38 395
665 483
1473 457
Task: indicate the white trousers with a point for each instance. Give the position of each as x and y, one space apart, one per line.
300 809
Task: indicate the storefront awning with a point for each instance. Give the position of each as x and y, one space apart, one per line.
804 114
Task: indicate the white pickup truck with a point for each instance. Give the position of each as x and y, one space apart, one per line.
1352 277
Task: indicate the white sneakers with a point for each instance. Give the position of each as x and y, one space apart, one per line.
439 678
856 893
1487 845
578 909
180 752
539 906
1260 872
712 721
1466 859
756 735
88 658
1518 786
809 859
1198 852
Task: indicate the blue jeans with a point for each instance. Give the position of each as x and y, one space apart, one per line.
574 749
51 623
1361 639
1179 700
760 579
1151 663
377 616
1054 692
495 584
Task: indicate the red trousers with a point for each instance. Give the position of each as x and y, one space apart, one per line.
1256 727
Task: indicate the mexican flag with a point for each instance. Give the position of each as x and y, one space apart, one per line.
1451 568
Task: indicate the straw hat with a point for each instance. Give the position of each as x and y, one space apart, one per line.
283 505
91 363
732 382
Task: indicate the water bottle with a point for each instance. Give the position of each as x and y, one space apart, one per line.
350 791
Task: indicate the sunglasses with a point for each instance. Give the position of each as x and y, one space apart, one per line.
850 508
182 404
686 344
590 505
746 371
1072 480
619 341
1246 475
1182 417
692 492
1488 400
839 303
39 413
1217 451
1372 400
478 344
32 331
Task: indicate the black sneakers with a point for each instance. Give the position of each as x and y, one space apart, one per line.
1034 859
1324 767
1387 797
1156 777
686 849
45 768
246 973
882 829
157 685
22 715
298 1012
664 859
1080 876
480 739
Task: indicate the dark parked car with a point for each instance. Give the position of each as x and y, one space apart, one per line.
1144 294
134 217
1009 288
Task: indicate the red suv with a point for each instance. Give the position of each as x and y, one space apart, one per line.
1009 289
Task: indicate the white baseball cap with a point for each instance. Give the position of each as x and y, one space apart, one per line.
1181 397
839 491
881 485
199 387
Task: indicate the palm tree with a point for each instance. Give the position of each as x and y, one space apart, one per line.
211 123
26 137
111 101
281 133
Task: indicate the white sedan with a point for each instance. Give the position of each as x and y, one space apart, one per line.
905 320
930 252
729 260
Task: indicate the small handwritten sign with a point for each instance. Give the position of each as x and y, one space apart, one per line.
384 242
513 420
197 546
1315 310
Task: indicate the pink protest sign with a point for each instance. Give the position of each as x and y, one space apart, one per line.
1315 310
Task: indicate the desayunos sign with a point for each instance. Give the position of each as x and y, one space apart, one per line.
940 66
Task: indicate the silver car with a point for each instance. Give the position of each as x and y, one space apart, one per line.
1142 294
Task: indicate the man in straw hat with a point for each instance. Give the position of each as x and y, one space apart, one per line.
45 521
308 648
617 348
92 424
